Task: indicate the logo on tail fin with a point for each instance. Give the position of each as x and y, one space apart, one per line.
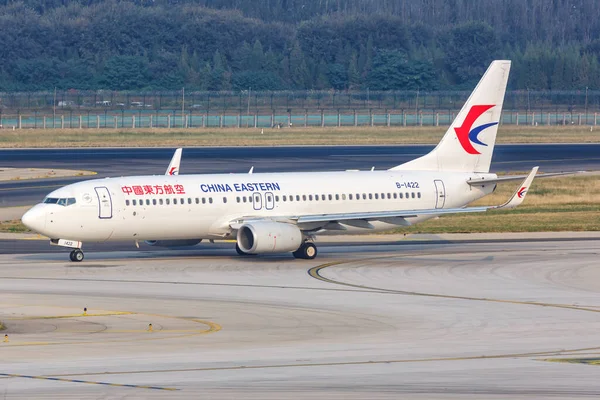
172 170
522 191
467 136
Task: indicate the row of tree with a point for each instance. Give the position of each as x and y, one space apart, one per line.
287 44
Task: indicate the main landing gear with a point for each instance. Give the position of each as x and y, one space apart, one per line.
242 252
307 251
76 255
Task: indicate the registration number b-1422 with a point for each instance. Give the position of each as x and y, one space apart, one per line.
407 185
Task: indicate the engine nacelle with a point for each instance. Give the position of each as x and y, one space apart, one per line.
268 237
173 243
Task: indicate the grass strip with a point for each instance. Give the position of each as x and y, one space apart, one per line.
147 137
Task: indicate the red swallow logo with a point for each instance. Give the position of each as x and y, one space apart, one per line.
172 170
466 135
522 191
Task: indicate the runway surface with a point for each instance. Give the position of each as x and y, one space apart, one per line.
150 161
431 320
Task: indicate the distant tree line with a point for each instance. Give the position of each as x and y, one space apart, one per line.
291 44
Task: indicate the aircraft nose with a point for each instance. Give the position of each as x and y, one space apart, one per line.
35 218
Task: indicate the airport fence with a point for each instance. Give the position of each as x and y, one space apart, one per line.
316 118
252 102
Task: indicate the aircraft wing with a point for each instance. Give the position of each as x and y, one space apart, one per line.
482 181
173 168
396 217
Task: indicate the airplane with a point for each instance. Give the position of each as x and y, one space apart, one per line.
285 212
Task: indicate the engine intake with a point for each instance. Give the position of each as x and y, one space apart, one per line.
268 237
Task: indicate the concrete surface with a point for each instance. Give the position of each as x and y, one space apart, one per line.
428 321
18 174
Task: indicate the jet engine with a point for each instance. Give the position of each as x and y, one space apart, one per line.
268 237
173 243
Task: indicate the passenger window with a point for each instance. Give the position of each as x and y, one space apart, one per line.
343 197
224 200
134 202
167 201
364 196
291 198
323 197
297 197
330 197
389 196
174 201
238 199
284 198
204 200
395 195
370 196
376 196
154 201
303 197
147 202
316 197
197 200
160 201
126 202
407 196
310 197
189 200
276 198
182 201
400 194
350 196
419 195
412 195
210 200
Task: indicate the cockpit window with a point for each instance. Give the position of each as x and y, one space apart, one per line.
61 202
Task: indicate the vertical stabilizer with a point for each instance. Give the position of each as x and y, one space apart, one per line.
173 168
469 142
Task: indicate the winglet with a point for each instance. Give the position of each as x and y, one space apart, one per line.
519 195
174 165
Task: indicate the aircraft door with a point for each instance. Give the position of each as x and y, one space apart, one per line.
257 201
440 191
269 201
104 203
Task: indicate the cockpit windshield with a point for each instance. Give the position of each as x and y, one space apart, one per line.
66 201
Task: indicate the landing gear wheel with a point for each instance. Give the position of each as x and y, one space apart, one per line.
242 252
307 251
76 255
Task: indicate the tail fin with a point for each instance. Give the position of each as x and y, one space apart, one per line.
469 142
173 168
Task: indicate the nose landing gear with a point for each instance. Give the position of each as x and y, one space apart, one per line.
76 255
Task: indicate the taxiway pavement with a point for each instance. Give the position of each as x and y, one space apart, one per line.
431 320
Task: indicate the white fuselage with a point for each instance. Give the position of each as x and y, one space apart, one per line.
204 206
